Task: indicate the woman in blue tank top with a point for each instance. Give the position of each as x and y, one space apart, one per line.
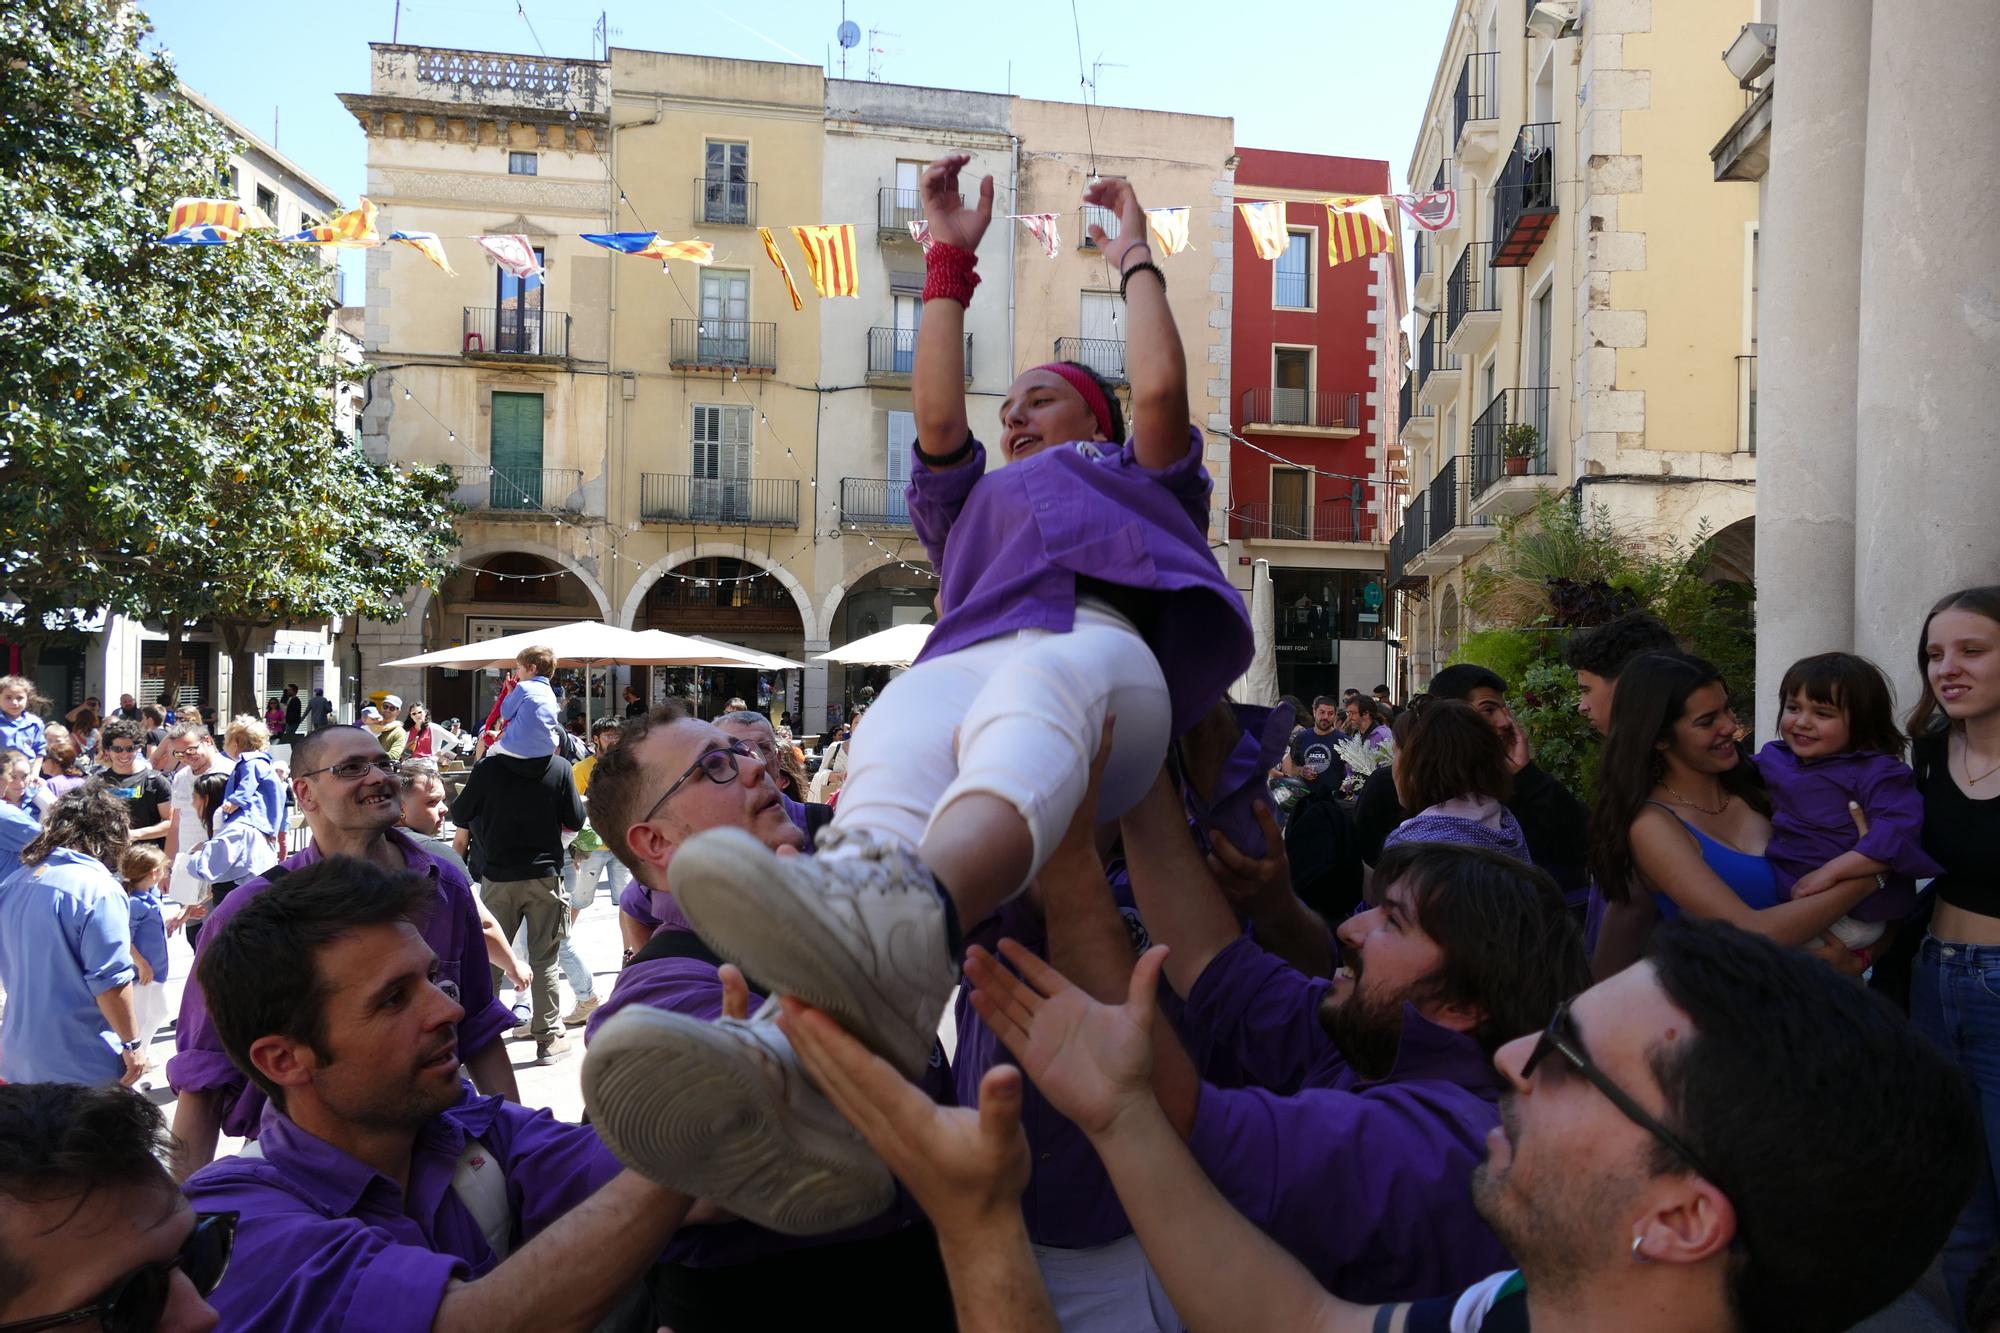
1681 820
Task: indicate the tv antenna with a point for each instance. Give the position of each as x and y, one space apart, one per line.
601 34
848 34
875 51
1097 67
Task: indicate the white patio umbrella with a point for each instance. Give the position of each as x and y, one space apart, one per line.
896 646
587 643
762 660
1259 683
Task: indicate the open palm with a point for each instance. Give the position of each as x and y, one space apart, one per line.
951 219
1092 1061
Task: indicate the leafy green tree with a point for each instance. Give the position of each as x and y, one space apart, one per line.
167 442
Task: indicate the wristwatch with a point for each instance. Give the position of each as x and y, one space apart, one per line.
132 1045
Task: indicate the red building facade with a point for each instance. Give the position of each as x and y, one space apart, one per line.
1315 370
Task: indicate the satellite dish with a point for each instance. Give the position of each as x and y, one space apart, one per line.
848 34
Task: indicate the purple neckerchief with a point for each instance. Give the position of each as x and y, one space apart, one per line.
1010 545
1427 827
796 812
1244 780
199 1062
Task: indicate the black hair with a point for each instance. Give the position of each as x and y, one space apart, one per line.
1653 692
1604 650
1450 752
604 724
1380 689
1985 601
260 972
1509 946
122 729
1795 1084
1458 682
1325 700
1117 432
87 819
1858 688
68 1141
618 782
207 790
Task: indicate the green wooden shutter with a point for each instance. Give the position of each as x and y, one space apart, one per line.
516 453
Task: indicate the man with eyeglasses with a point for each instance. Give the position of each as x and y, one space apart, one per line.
93 1231
1725 1136
669 778
148 796
351 797
192 753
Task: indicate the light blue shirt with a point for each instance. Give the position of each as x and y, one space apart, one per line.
534 722
65 939
23 733
17 829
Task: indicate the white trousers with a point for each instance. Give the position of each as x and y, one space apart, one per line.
1018 717
1111 1289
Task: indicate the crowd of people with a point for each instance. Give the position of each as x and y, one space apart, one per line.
1050 1014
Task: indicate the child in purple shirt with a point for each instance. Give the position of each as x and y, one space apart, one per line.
1839 749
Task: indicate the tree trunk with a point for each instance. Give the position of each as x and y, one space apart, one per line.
242 669
170 684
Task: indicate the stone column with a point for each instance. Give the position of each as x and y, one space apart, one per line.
1928 470
1808 330
812 705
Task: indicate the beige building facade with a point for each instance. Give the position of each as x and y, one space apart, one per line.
683 450
1592 310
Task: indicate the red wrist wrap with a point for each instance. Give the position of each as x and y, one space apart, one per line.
949 272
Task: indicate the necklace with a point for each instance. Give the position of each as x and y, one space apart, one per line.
1965 761
1695 805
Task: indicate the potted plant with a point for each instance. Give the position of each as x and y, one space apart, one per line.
1519 442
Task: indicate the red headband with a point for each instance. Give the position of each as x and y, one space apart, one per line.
1093 397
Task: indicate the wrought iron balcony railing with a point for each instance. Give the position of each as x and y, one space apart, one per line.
725 203
757 502
1300 407
511 330
519 489
874 502
723 344
1106 356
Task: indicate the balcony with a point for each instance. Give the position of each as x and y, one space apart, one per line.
874 502
1328 521
1452 531
725 203
1100 216
734 345
1475 106
1744 151
762 502
1524 198
892 355
528 492
515 333
1746 404
1300 412
1405 544
1106 356
1510 451
1437 366
1472 301
1419 423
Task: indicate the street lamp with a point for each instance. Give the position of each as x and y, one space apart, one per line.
1753 52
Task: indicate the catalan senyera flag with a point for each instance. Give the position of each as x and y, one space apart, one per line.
224 213
829 249
771 249
1267 227
1357 226
354 227
427 244
624 242
1169 228
693 252
201 233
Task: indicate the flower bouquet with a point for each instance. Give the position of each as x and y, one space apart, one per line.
1361 759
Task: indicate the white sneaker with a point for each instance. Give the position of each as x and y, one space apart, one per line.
860 936
723 1111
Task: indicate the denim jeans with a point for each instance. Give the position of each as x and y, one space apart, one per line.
1955 1001
583 877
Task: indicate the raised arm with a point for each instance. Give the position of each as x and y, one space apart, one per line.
1154 361
937 388
1177 894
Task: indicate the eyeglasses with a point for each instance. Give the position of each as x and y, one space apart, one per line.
136 1302
718 766
352 770
1561 1037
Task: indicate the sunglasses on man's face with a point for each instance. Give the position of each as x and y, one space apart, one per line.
136 1301
121 749
1561 1037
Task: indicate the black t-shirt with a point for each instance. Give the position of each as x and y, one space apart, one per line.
637 708
1959 832
143 792
1312 750
154 736
517 810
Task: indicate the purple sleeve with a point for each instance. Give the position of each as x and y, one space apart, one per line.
299 1270
199 1064
486 1019
677 985
1249 1006
1361 1189
1185 477
935 498
551 1166
1895 810
637 902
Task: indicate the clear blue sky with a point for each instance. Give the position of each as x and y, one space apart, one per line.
1347 77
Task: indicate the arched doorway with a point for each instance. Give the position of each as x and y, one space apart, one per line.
504 592
735 601
1732 553
885 596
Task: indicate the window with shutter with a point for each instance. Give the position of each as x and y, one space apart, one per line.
902 438
719 489
515 451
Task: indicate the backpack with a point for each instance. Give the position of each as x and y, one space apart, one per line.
1325 854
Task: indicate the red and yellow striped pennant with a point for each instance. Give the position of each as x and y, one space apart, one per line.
829 250
771 249
693 252
1357 226
354 227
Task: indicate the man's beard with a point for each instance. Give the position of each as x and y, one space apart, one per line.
1556 1228
1367 1029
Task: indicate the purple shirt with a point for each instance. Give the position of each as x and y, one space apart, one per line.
1367 1183
1810 824
200 1064
691 986
1010 544
324 1242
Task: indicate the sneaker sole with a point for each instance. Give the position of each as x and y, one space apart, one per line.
723 884
678 1102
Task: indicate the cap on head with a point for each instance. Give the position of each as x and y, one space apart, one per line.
371 714
392 701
